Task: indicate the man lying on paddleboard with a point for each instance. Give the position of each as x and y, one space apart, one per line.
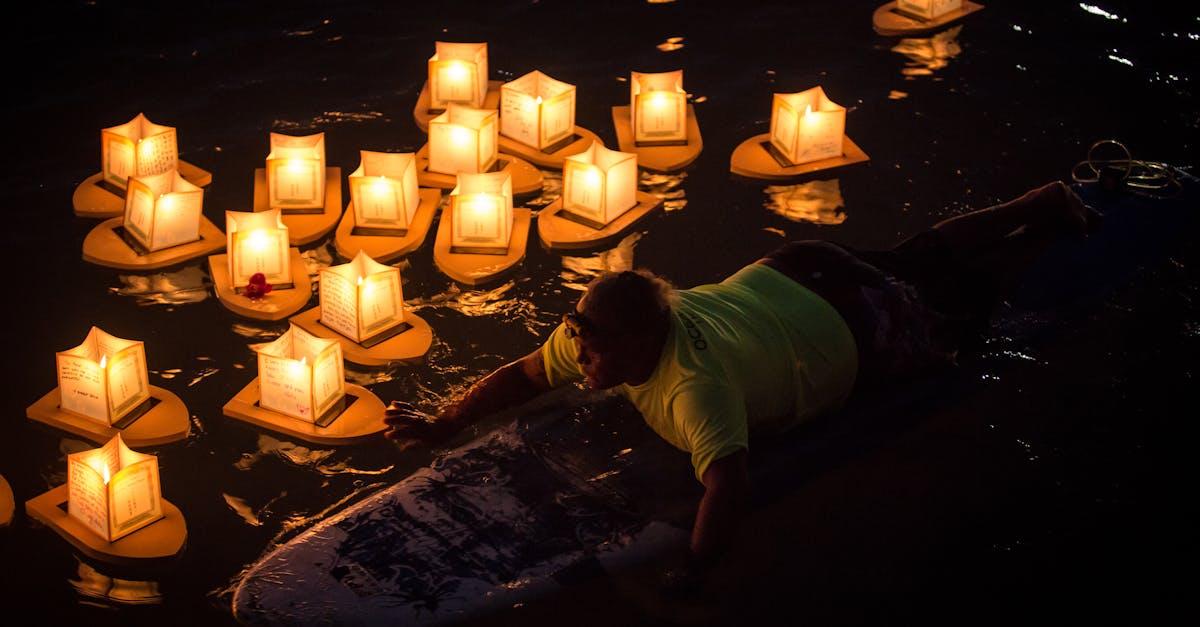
782 340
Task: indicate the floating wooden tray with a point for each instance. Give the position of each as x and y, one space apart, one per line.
160 540
889 22
362 420
475 269
553 160
386 248
277 305
104 247
305 228
751 159
526 179
7 504
168 421
558 233
659 158
409 346
421 110
93 201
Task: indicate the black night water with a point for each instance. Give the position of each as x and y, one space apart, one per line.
1055 491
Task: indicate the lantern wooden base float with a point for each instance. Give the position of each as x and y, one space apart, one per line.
7 503
423 114
360 420
526 179
160 540
164 419
108 245
559 232
473 269
409 342
659 158
890 22
755 158
305 226
379 244
554 155
94 198
279 304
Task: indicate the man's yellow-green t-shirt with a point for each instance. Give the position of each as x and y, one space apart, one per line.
757 351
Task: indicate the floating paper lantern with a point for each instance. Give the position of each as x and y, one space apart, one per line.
928 9
113 490
300 375
163 210
599 185
463 140
481 213
104 379
458 74
361 299
137 148
384 191
537 110
658 105
296 173
807 126
257 242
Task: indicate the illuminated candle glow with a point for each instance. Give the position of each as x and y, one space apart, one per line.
137 148
807 126
163 210
658 108
537 110
113 490
463 140
361 299
384 190
257 242
296 172
481 213
458 74
104 378
599 185
300 375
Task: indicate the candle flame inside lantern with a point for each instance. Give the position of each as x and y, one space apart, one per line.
104 471
296 166
460 135
807 110
258 240
593 178
456 71
103 361
659 100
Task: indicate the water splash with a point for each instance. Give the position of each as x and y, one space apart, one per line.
578 271
817 202
668 187
320 460
181 287
929 54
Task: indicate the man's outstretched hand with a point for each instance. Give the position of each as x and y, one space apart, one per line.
410 426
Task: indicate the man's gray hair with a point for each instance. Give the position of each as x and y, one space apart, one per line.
632 300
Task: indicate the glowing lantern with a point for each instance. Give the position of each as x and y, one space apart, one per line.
361 299
300 375
257 242
104 379
481 213
457 74
296 172
599 184
163 210
113 490
384 190
807 126
928 9
658 105
463 140
137 148
537 110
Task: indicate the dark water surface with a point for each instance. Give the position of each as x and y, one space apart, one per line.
1054 494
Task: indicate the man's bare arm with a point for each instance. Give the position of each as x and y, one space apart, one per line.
726 492
507 386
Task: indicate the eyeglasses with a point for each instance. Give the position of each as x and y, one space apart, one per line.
576 325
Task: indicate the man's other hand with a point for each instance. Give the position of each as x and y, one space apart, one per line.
410 426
